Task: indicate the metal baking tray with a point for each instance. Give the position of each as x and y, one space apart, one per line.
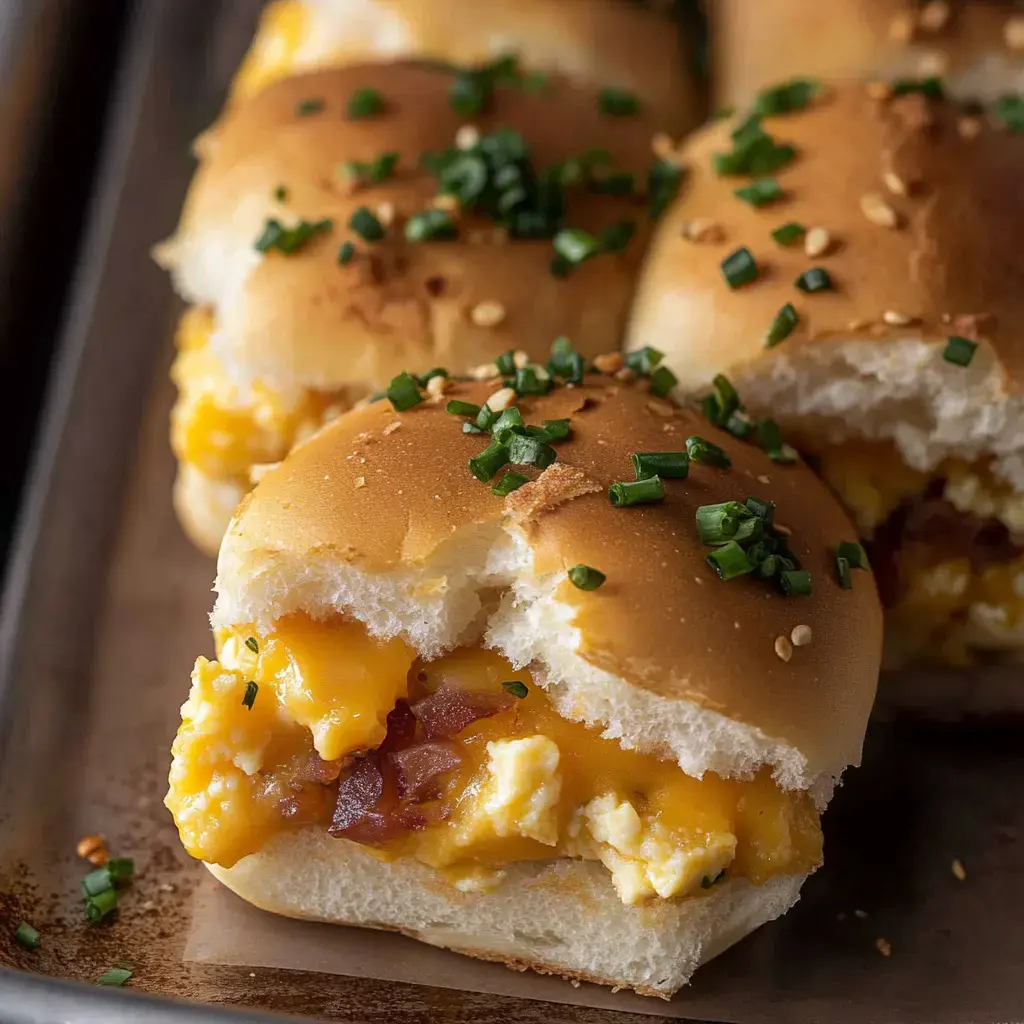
105 607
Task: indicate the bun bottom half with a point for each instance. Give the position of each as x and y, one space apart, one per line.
558 917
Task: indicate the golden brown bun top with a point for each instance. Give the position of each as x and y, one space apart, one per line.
397 305
951 264
596 42
383 491
972 47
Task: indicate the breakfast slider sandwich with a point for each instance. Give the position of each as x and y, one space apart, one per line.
853 267
349 224
976 48
557 677
606 43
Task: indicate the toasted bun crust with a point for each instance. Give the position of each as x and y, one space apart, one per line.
597 42
377 516
948 267
304 320
759 44
561 917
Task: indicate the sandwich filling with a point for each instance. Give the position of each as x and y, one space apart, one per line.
947 548
461 763
283 29
224 430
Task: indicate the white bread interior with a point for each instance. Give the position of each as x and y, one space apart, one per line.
205 505
560 917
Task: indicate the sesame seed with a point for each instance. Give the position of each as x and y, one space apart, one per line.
436 386
501 399
879 90
391 427
901 28
895 319
801 635
487 314
932 64
969 127
934 15
817 242
386 213
360 482
608 362
861 914
485 371
894 183
520 359
467 137
764 479
878 211
626 375
1013 32
856 325
958 870
703 230
783 648
883 946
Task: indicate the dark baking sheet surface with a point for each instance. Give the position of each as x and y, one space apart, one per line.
105 609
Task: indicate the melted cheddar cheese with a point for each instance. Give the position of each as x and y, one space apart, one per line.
283 27
221 431
529 785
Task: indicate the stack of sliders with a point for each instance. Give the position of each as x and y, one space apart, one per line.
616 43
976 48
351 223
848 259
558 676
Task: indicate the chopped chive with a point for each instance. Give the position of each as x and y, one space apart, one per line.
795 582
723 113
617 183
469 93
529 382
843 574
636 492
667 465
959 351
430 226
115 977
27 935
854 553
382 168
510 419
739 268
730 561
616 237
528 451
617 102
644 360
769 440
251 689
97 881
100 905
365 103
253 644
289 240
764 510
345 253
663 380
559 361
557 430
664 179
789 233
487 463
506 363
516 688
930 86
760 192
404 392
782 325
575 245
814 280
121 869
510 482
586 578
783 99
718 524
727 398
486 417
366 225
1008 110
280 193
754 151
533 81
706 453
458 408
304 108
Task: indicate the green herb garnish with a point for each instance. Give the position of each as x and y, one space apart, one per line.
664 179
382 168
706 453
781 326
760 192
789 233
636 492
584 577
667 465
959 351
795 94
430 226
517 689
739 268
617 102
511 481
116 977
487 463
404 392
27 936
730 561
304 108
365 103
1009 112
290 240
366 225
346 254
253 644
930 87
251 689
795 582
100 905
814 280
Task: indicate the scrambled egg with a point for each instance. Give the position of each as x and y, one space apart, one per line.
530 785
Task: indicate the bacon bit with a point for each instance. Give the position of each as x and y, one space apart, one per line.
608 362
883 946
392 427
316 769
557 485
959 871
446 712
418 765
401 728
934 15
93 849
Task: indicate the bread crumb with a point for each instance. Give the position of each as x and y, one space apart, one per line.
901 28
1013 33
501 399
360 482
969 127
896 319
702 229
93 849
817 242
894 183
883 946
436 386
877 210
391 427
783 648
934 15
167 887
932 64
856 325
467 137
958 870
879 90
487 314
557 485
661 408
608 362
801 635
